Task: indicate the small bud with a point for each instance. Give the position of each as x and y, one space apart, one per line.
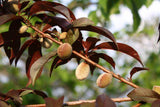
63 35
64 51
41 39
82 71
104 80
23 29
13 6
46 43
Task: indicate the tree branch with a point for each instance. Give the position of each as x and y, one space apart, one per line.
85 58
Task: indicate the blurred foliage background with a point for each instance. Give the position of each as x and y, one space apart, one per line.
141 34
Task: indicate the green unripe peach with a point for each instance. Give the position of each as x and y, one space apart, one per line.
82 71
64 51
104 80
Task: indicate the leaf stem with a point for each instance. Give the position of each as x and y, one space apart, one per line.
85 58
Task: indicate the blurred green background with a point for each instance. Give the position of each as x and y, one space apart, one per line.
130 21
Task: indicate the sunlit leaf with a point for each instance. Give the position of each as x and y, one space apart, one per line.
121 47
34 52
136 69
38 65
82 22
104 101
25 92
143 94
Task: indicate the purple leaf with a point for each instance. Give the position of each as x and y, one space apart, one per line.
121 47
104 101
89 43
99 30
22 49
8 17
136 69
107 58
94 57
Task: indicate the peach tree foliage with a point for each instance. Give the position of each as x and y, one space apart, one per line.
20 15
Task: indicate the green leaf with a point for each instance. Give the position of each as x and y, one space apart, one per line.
132 4
81 22
72 36
143 94
38 65
93 17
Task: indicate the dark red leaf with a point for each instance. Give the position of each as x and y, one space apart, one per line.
53 21
77 46
22 49
156 103
52 7
94 57
136 69
57 103
23 5
11 48
8 17
121 47
15 25
15 95
40 93
104 101
89 43
159 33
82 22
53 64
107 58
99 30
34 52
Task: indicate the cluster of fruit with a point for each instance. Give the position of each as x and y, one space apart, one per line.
82 71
